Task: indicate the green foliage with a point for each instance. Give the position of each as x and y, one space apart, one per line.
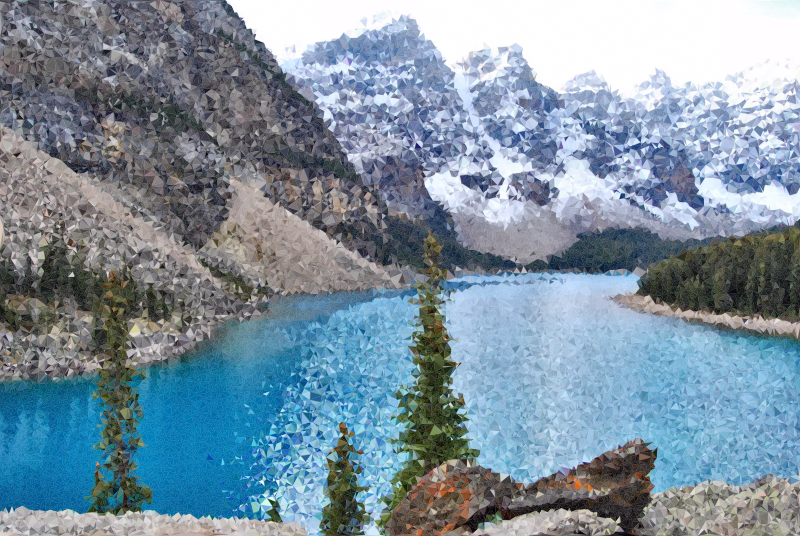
236 283
435 429
84 284
611 249
62 276
407 245
344 514
273 514
756 274
121 410
156 304
615 249
5 284
56 268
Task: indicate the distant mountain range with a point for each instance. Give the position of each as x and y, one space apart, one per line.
523 168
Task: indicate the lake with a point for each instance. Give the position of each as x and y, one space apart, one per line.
553 373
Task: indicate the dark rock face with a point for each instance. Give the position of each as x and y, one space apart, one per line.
458 495
172 100
404 87
402 114
513 96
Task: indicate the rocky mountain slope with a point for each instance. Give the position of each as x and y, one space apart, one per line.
523 168
174 99
274 250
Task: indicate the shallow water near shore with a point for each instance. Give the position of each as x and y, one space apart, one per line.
553 373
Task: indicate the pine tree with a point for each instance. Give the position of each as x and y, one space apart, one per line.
55 281
29 280
121 412
435 429
344 514
84 284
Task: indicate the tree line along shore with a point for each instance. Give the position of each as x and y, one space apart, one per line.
755 275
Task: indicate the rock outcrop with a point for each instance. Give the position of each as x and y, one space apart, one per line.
459 495
171 101
554 523
774 327
767 506
274 249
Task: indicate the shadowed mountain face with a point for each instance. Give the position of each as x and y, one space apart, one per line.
171 100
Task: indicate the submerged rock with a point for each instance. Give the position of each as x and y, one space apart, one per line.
458 495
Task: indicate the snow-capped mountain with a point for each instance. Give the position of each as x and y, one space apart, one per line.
523 168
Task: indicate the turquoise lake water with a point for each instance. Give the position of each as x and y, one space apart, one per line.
552 371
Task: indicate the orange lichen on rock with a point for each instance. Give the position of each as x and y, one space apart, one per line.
458 495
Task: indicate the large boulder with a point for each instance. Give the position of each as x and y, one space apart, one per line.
458 495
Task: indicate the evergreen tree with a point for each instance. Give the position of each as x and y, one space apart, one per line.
273 514
84 284
29 280
344 514
6 287
156 304
55 280
435 429
120 441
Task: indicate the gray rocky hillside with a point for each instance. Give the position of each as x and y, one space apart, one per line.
161 138
48 207
171 100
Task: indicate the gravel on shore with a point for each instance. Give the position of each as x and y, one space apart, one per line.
768 506
24 522
772 326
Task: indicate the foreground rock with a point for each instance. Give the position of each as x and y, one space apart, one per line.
24 522
767 506
460 495
556 523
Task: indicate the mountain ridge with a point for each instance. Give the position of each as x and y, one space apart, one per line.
499 148
160 139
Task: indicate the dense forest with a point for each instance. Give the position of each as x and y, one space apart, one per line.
756 274
593 252
615 249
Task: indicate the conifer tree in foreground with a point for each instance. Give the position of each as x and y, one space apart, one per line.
120 400
435 429
344 514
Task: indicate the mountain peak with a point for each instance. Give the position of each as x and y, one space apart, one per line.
387 40
589 80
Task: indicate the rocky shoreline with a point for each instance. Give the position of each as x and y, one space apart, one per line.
263 244
766 506
24 522
774 327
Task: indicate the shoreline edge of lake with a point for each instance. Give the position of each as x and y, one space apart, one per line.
755 325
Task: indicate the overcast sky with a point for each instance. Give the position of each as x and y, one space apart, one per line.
623 40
